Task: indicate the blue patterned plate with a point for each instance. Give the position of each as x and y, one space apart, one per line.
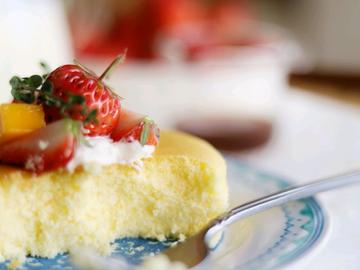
271 239
264 241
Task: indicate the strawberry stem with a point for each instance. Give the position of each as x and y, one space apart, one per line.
88 70
119 59
145 130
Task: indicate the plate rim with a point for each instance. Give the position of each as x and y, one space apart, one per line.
320 217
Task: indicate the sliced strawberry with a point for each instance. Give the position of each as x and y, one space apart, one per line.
133 126
45 149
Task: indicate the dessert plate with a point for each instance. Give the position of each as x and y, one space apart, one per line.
264 241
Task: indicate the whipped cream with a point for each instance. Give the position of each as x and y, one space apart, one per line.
104 151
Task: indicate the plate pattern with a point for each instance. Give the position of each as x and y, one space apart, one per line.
304 219
300 233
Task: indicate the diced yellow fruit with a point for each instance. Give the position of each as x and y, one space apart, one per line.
17 119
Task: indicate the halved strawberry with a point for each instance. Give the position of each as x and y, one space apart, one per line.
48 148
134 126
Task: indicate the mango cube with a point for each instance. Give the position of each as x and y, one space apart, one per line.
17 119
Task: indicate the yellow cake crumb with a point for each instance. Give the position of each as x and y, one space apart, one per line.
177 192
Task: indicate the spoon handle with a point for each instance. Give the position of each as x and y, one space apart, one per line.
281 197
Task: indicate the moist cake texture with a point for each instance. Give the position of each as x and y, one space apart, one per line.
175 192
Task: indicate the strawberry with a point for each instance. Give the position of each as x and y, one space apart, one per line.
74 80
45 149
133 126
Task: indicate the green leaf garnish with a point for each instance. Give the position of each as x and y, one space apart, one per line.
35 81
73 100
91 117
37 89
47 87
15 81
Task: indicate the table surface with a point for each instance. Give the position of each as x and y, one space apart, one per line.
317 137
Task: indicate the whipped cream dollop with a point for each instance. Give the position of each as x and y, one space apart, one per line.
104 151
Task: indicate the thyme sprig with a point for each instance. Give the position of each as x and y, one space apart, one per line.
37 89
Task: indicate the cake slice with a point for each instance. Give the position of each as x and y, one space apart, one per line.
177 191
79 170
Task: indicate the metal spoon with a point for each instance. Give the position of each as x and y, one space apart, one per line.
196 248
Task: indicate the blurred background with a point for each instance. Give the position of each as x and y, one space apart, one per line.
274 82
216 68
